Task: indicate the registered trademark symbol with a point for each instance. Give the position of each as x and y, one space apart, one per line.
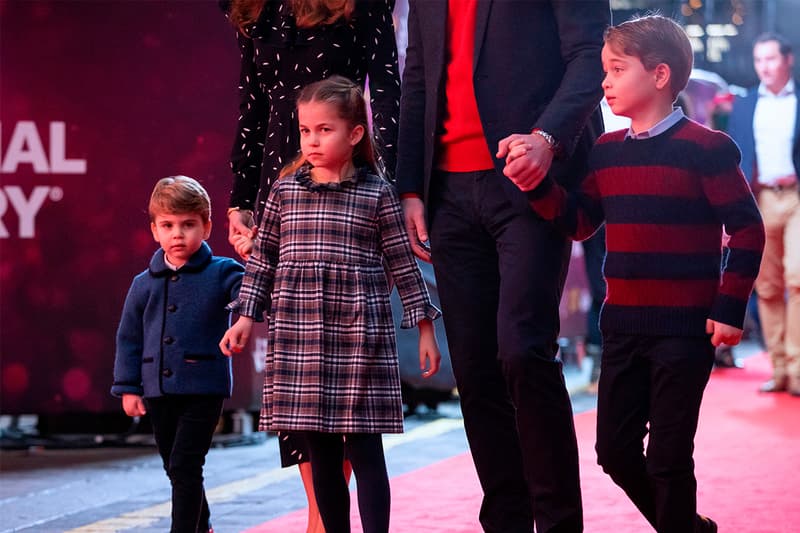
56 194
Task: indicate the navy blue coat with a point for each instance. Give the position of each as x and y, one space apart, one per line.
536 64
171 325
740 128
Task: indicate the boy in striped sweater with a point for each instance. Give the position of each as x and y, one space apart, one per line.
665 188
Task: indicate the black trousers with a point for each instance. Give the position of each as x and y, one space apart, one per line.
365 453
654 382
183 427
500 271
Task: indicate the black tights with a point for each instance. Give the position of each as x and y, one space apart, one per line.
365 453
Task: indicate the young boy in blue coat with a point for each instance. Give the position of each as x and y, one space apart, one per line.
168 362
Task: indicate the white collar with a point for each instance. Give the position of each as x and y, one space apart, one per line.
657 129
787 90
169 265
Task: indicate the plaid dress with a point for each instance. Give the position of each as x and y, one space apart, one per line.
319 268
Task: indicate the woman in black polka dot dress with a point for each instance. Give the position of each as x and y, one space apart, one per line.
282 52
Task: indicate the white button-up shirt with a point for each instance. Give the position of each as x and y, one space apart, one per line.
773 129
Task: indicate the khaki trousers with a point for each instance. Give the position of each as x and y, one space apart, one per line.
778 283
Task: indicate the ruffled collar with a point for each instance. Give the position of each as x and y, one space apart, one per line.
303 177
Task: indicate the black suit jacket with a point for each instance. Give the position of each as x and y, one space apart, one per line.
536 65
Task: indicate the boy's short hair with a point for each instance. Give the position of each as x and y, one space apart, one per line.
177 195
655 39
784 46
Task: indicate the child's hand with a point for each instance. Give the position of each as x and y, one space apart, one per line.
236 337
133 405
723 333
528 159
243 245
240 222
430 359
516 149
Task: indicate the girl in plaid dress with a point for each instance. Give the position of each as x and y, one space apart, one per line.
331 231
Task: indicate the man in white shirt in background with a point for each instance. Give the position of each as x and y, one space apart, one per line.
765 125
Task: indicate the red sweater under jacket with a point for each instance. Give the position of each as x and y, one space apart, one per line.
462 145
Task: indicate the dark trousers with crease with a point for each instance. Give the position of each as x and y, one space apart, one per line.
500 272
183 426
653 384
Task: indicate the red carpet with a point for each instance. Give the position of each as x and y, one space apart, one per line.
748 458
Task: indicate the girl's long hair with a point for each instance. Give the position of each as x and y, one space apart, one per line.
348 100
307 13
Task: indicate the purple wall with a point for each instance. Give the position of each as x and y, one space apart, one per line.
133 91
98 100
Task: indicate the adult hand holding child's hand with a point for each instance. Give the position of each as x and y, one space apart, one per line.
528 159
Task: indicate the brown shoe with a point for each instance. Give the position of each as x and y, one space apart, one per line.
773 386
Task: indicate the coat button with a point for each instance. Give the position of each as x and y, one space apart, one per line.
172 308
166 373
175 277
168 340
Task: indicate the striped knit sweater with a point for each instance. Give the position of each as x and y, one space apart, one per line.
665 201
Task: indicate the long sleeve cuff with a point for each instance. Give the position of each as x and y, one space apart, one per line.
246 308
728 310
412 317
118 389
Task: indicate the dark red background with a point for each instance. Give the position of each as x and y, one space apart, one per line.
146 89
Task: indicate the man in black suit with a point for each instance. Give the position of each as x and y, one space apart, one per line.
481 75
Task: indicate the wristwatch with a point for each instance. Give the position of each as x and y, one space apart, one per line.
555 147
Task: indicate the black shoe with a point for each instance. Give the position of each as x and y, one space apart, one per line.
723 358
705 525
773 386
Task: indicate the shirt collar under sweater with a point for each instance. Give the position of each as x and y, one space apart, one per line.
659 128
